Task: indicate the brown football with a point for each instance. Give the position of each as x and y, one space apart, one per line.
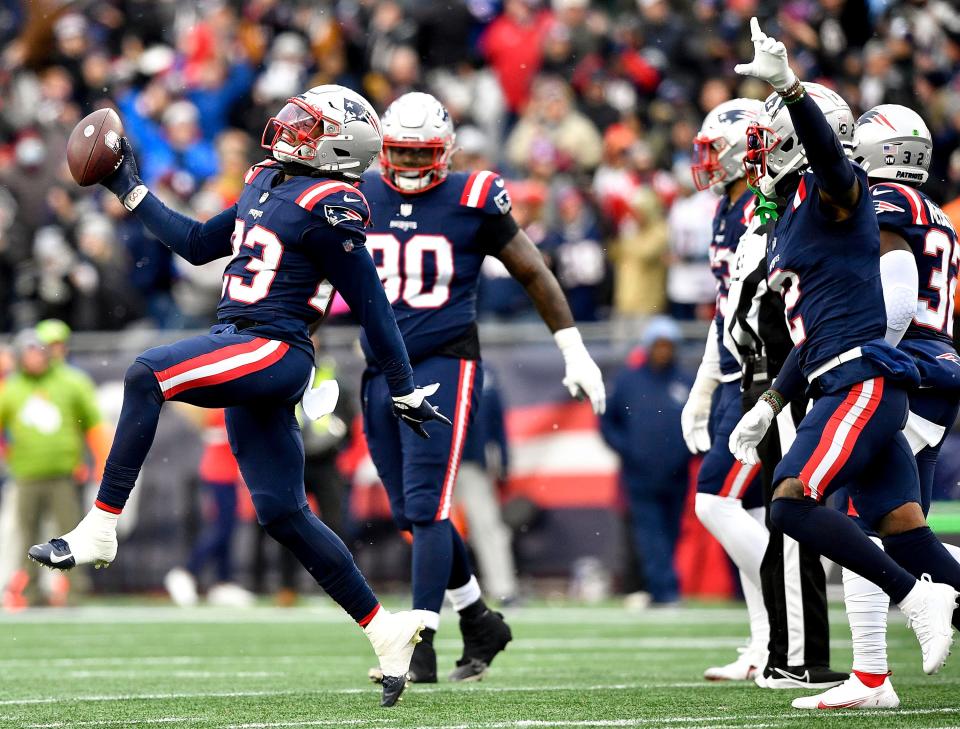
93 150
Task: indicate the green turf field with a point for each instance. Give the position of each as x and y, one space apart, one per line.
119 666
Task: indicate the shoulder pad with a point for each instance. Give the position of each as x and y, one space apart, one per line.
899 203
486 191
259 167
338 202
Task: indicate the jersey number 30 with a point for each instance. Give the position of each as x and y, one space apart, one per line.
405 279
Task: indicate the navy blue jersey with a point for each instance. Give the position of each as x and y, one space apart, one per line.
729 225
829 275
277 276
428 248
929 233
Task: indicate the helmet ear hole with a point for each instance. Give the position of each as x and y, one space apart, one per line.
340 152
788 145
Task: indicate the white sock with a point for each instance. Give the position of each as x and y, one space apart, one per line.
429 619
739 533
954 551
465 595
867 606
759 621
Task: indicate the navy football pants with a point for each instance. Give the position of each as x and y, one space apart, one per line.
419 474
720 473
852 438
259 381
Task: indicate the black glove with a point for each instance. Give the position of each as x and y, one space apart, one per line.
126 177
414 410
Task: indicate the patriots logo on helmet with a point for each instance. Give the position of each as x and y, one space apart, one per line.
882 206
733 115
875 117
950 357
337 214
352 111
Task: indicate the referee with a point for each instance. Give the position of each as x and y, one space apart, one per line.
792 578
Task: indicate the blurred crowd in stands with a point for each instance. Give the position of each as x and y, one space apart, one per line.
588 108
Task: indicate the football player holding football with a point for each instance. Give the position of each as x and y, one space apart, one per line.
295 235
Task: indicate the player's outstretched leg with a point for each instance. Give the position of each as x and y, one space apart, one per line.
266 441
94 539
928 605
485 632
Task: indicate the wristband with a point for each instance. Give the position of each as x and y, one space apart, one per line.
775 400
793 93
135 197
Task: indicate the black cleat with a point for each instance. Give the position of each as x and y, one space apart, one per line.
802 677
483 638
55 554
423 664
393 687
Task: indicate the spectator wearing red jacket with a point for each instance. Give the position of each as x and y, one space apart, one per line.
513 45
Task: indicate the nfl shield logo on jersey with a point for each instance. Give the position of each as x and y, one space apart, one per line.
406 209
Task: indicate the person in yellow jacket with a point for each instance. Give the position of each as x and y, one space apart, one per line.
48 411
640 258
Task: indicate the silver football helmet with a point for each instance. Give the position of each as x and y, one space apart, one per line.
891 142
773 147
719 147
329 128
418 141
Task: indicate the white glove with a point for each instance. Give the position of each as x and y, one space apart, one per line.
769 60
695 416
320 400
582 376
750 431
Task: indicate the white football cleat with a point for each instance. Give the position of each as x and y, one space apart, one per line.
92 541
181 586
852 694
230 594
745 668
929 609
393 637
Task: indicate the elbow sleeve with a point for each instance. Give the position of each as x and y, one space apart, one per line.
900 281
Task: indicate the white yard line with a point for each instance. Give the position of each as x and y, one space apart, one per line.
116 722
731 721
475 688
323 613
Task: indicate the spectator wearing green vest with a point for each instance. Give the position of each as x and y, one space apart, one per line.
47 410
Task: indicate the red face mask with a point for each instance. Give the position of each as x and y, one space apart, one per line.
413 160
706 168
761 141
297 125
